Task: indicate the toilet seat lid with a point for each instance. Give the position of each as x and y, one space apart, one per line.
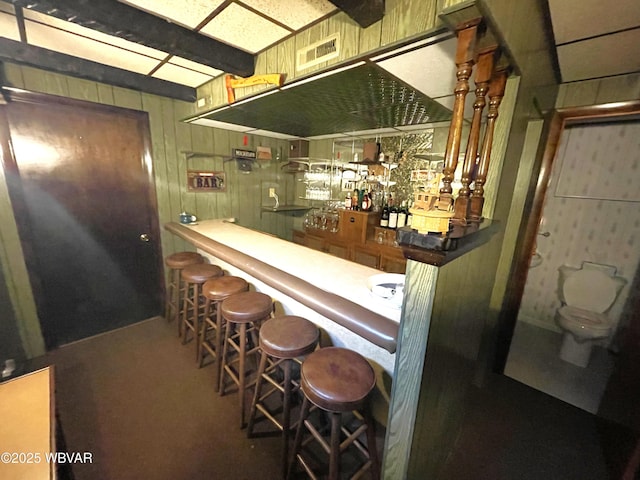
590 290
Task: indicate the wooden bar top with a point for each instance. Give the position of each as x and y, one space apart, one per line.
331 286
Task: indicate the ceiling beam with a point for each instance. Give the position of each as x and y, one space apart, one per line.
364 12
121 20
21 53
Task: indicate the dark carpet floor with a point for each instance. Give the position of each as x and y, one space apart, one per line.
135 399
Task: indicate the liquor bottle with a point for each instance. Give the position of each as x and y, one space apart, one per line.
354 199
366 202
393 217
384 219
402 215
347 202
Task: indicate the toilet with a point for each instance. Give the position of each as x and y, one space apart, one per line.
586 293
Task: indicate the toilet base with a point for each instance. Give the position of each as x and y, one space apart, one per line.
576 353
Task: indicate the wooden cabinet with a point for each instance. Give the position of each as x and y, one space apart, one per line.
366 255
387 258
355 227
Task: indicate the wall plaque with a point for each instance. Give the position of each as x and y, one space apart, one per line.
205 181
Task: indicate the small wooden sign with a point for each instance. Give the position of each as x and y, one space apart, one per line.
243 153
205 181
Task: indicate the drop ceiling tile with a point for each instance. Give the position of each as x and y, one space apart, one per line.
85 32
246 30
183 76
435 75
9 27
189 13
268 133
197 67
293 13
217 124
573 66
578 19
77 46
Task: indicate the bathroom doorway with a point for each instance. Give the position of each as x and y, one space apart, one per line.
585 208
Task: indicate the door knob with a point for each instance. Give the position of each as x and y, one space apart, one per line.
144 237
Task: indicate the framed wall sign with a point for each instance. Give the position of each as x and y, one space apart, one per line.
205 181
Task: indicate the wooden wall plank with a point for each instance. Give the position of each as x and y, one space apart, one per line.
83 89
105 94
127 98
13 75
453 344
420 286
406 18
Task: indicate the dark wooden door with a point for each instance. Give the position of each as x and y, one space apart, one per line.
83 195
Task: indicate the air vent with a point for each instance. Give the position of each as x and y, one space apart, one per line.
318 52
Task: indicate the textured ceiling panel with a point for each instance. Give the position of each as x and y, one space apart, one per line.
361 98
72 44
8 27
244 29
627 59
293 13
580 19
85 32
189 13
184 76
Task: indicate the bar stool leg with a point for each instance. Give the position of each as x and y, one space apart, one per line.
223 361
173 295
185 312
256 393
241 372
286 414
220 335
201 336
371 442
334 455
304 413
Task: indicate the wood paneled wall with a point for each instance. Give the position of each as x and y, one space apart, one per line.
242 198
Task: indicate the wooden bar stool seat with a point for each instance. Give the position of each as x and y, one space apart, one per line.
282 341
243 314
175 263
194 302
211 334
338 382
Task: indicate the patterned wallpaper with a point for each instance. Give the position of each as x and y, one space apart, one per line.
591 212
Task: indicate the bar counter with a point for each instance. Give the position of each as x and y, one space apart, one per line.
327 290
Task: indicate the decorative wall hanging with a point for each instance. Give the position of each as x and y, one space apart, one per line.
205 181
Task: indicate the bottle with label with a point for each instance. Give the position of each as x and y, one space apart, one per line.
347 202
384 219
366 202
402 215
393 217
354 200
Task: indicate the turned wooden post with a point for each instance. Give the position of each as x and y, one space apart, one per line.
496 92
465 57
484 68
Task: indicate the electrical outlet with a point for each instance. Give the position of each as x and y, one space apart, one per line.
272 192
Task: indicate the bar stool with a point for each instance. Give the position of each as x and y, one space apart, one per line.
243 313
215 291
282 341
175 263
337 380
193 302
